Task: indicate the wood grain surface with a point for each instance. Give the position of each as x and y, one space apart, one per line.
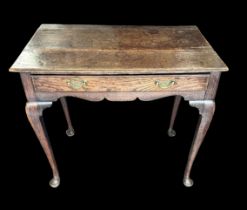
120 83
99 49
118 63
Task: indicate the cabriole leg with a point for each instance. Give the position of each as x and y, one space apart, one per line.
34 111
206 110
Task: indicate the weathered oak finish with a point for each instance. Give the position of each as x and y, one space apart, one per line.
212 85
34 111
120 83
70 131
92 49
171 132
119 96
206 110
28 87
118 63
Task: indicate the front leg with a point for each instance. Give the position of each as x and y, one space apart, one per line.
34 111
206 111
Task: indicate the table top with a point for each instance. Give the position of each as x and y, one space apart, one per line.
108 49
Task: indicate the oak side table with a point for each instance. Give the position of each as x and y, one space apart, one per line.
118 63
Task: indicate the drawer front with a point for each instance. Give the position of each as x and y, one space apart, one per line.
135 83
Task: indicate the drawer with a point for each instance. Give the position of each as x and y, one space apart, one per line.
135 83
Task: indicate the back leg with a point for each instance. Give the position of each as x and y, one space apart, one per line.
70 131
177 101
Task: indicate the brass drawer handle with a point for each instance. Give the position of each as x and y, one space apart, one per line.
76 83
165 84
